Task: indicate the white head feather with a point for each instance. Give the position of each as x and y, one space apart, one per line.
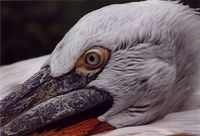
154 47
154 63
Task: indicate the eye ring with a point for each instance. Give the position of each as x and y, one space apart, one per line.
93 59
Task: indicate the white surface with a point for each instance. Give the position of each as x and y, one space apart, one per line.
187 122
15 74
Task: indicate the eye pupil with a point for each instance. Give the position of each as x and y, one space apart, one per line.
91 58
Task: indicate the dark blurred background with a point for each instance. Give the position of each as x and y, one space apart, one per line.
33 28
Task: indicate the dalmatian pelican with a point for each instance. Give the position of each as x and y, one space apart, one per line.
143 57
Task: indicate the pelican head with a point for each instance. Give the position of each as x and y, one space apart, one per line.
142 56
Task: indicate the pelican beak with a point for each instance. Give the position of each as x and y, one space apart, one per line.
43 99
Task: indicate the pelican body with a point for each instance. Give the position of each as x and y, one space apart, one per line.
144 57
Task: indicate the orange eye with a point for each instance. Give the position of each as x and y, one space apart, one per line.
92 60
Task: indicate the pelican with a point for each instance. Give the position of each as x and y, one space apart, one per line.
142 57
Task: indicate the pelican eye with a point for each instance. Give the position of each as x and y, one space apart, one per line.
92 60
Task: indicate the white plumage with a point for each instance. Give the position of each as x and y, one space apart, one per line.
153 43
187 121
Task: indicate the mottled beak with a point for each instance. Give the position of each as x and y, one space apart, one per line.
44 99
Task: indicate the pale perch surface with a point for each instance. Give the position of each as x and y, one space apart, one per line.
187 121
